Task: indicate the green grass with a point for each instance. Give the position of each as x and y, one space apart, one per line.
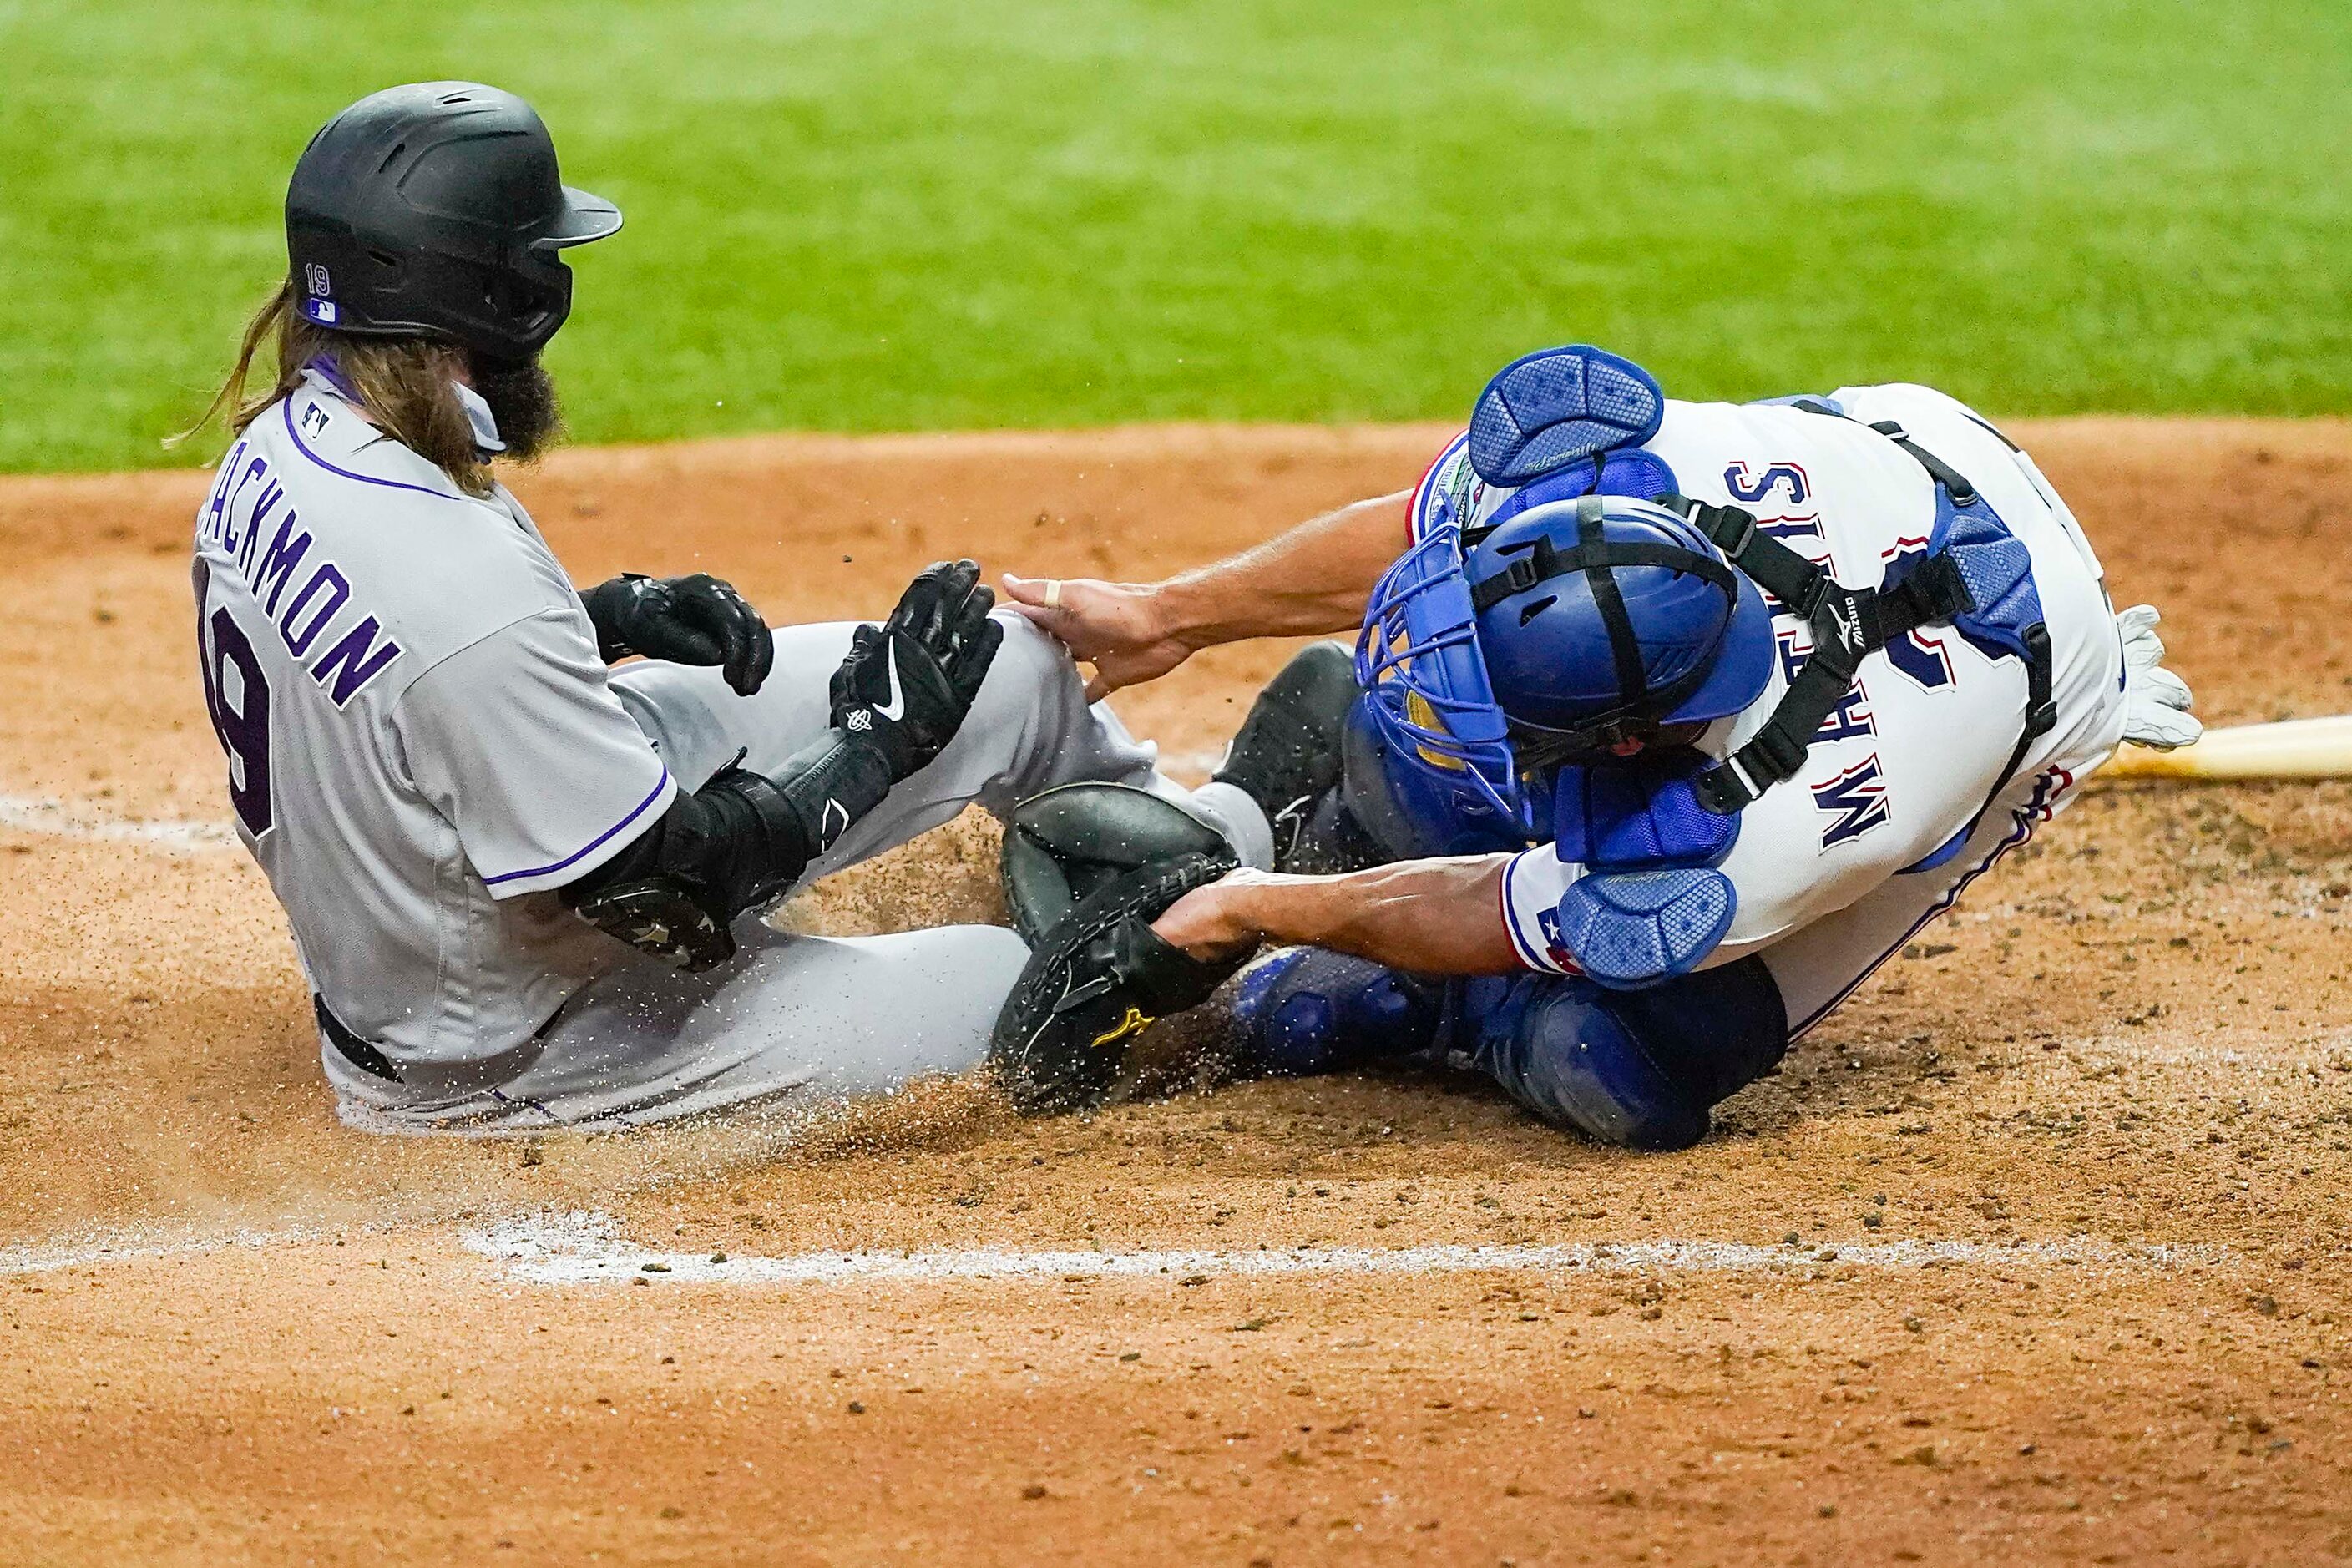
867 214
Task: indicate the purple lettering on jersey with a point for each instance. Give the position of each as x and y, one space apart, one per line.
326 579
1856 798
267 503
277 563
1851 718
253 470
347 668
211 520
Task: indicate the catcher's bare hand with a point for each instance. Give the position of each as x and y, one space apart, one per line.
1117 627
1207 923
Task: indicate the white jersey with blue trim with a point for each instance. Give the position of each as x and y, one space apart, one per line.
1907 762
421 737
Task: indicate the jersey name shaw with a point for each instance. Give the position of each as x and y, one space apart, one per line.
306 596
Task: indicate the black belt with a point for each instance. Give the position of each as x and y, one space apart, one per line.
356 1051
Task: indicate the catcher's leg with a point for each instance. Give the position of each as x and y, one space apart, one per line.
1637 1069
1303 1012
1030 729
788 1026
1641 1069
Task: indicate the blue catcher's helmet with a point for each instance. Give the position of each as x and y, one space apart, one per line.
1563 631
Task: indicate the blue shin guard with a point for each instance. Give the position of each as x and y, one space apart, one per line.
1640 1070
1546 410
1304 1012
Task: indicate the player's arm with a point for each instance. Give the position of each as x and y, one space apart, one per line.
1311 581
1429 916
744 836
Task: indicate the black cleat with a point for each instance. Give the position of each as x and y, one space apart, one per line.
1287 753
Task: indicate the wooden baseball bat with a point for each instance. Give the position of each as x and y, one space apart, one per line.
2293 749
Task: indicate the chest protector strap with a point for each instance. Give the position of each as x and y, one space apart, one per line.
1848 626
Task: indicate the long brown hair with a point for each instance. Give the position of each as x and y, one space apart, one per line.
403 382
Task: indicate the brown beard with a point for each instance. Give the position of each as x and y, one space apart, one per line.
403 383
521 397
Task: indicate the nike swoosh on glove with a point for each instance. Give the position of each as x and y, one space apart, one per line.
2156 701
907 683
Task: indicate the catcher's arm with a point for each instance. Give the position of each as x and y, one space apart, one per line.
1309 581
1428 917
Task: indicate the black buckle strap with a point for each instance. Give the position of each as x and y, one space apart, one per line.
1844 633
1848 626
2040 710
1943 473
1779 570
1933 593
1517 577
2040 700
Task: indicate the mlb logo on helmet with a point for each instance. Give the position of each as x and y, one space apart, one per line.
318 284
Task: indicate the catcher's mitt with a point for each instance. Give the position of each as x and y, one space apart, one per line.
1088 868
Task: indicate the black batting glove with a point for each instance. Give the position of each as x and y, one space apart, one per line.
907 683
683 620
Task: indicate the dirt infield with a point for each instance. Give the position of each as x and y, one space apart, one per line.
2035 1248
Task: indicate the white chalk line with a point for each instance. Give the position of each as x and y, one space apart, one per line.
48 815
585 1248
92 1251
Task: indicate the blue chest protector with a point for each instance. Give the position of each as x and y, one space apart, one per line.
1652 832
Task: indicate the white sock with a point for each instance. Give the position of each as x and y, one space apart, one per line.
1232 812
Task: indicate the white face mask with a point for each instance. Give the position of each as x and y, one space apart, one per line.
478 415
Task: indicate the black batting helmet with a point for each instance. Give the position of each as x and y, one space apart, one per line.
436 209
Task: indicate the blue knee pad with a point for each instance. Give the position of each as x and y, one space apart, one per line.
1304 1012
1640 1070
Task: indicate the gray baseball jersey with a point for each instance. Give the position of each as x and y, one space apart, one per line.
421 736
423 743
